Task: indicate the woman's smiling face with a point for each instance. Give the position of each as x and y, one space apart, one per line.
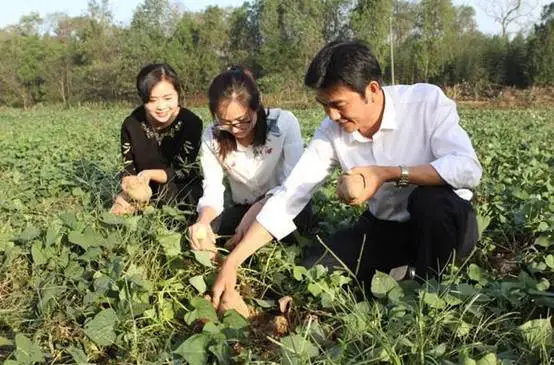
163 104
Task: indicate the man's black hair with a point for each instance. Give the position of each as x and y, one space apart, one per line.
351 63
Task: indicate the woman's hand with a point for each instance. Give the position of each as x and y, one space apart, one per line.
157 175
202 237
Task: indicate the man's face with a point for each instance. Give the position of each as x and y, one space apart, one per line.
349 109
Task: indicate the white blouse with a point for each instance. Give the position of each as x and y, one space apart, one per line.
252 172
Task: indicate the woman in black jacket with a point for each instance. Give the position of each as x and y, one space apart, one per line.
160 142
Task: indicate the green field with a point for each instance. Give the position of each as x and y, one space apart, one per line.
79 285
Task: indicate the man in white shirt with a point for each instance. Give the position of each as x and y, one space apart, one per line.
415 159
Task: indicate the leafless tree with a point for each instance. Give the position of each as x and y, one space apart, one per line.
508 12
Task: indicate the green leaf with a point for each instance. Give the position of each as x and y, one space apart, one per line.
438 350
86 239
49 292
468 361
78 355
91 254
298 272
234 320
382 284
543 285
520 194
73 270
483 222
198 283
52 234
488 359
69 220
452 300
77 191
167 311
463 329
131 223
101 328
203 309
194 349
549 260
63 260
338 279
537 332
543 241
5 341
37 253
27 351
319 271
171 243
212 328
296 348
136 274
112 219
433 300
5 243
222 352
476 273
203 258
265 303
101 282
314 289
30 233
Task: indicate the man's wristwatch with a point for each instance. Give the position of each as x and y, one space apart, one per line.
404 177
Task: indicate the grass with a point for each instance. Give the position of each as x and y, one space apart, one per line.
79 285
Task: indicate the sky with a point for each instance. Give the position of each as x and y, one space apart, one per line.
123 9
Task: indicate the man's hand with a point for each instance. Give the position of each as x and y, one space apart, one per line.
225 281
202 237
244 225
374 177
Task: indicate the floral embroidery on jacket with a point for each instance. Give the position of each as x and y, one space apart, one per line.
151 133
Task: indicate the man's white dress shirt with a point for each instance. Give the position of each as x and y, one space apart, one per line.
252 171
419 126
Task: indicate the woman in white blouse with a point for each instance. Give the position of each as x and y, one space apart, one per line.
255 148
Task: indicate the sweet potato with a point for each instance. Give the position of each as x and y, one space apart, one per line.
137 189
350 187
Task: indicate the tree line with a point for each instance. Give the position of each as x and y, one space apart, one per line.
69 60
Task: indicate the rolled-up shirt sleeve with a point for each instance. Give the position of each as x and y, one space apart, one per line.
456 161
213 176
293 147
308 174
